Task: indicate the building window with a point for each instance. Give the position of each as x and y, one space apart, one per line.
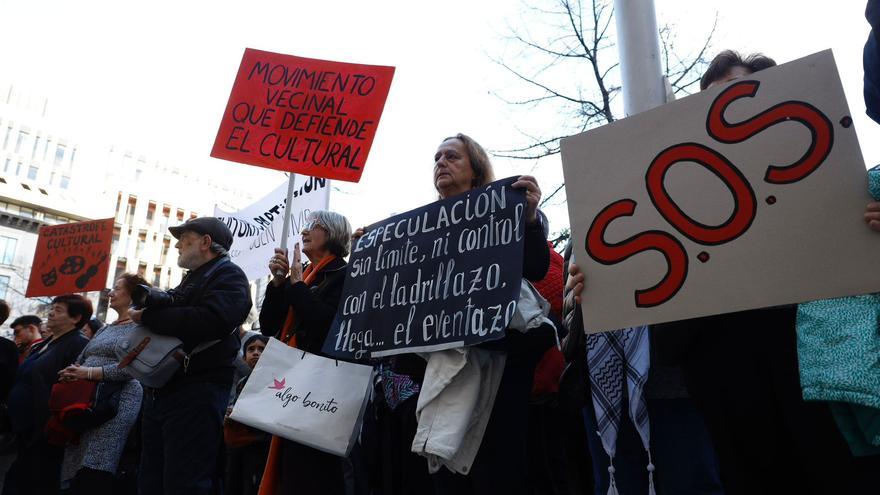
72 155
129 212
179 215
166 245
22 139
8 133
142 241
157 275
142 270
32 172
4 285
115 242
120 269
118 201
151 212
46 148
65 181
18 168
166 214
59 154
7 250
8 165
36 143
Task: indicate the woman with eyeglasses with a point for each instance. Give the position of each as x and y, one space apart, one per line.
298 309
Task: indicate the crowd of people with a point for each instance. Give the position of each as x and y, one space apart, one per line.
715 407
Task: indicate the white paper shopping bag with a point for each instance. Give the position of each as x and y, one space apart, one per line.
305 398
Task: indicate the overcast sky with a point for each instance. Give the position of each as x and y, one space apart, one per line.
155 76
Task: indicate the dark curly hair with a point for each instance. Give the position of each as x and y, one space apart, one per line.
132 280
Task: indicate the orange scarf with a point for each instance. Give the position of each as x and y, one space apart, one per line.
271 473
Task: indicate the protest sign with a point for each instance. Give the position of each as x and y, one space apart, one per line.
256 229
750 194
441 276
303 115
71 257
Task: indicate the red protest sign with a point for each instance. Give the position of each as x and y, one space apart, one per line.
303 115
71 257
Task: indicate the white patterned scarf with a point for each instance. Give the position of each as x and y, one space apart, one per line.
618 364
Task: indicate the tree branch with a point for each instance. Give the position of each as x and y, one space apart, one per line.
548 198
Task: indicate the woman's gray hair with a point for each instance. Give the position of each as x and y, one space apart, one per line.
338 231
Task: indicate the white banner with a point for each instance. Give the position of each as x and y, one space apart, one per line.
746 195
256 230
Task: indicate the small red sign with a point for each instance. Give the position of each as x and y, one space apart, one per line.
303 115
71 257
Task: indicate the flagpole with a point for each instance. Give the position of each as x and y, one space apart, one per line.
638 43
285 229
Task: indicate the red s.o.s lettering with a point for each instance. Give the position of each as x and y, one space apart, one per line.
821 130
652 240
745 204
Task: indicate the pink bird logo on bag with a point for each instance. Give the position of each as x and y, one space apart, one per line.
278 385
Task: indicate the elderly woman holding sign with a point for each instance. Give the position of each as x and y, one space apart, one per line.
298 309
500 465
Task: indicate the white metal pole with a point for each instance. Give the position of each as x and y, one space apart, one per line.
639 48
285 229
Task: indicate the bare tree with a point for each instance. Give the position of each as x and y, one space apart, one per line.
563 61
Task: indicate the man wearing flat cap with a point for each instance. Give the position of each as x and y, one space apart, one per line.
183 420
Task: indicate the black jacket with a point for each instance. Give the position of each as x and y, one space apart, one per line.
314 306
8 366
28 401
206 310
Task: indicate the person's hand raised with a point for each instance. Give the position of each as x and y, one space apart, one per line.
533 196
296 269
279 266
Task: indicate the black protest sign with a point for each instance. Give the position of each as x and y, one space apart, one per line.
441 276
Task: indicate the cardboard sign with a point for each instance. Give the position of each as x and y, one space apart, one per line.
256 229
750 194
441 276
71 257
303 115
